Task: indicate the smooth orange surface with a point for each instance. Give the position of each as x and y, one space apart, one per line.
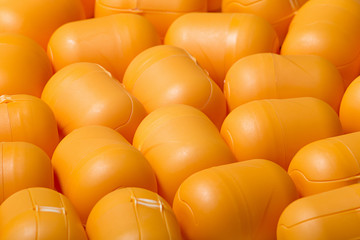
178 80
23 165
179 140
329 215
111 41
92 161
214 5
266 76
278 12
39 213
234 201
217 40
276 129
332 32
83 94
29 119
327 164
132 213
89 6
38 19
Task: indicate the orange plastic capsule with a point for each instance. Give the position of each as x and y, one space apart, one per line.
234 201
187 83
179 140
332 33
39 213
111 41
159 12
84 94
330 215
29 119
266 76
38 19
217 40
132 213
92 161
276 129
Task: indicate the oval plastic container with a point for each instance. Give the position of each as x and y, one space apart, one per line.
331 33
178 80
234 201
217 40
179 140
330 215
83 94
276 129
132 213
92 161
39 213
111 41
268 76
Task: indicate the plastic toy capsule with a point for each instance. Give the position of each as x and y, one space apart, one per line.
187 83
111 41
39 213
276 129
23 165
331 33
38 19
159 12
28 119
179 140
217 40
330 215
92 161
83 94
278 12
267 76
132 213
234 201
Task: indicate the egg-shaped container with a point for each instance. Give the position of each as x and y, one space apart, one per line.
268 76
179 140
92 161
218 40
276 129
39 213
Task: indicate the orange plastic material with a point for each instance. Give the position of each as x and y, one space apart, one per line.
132 213
24 66
23 165
38 19
276 129
235 201
39 213
84 94
327 164
332 33
278 12
179 140
92 161
159 12
214 5
187 83
111 41
27 118
217 40
89 6
266 76
329 215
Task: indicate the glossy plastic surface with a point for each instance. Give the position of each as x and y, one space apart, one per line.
217 40
178 141
92 161
234 201
178 80
144 215
39 213
276 129
267 76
